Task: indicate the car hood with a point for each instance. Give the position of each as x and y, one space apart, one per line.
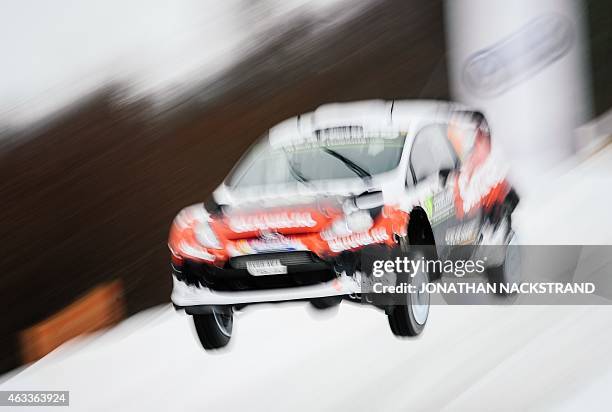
252 219
285 210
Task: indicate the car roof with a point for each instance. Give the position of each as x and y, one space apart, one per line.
376 115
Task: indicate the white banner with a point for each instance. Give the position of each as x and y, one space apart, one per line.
523 63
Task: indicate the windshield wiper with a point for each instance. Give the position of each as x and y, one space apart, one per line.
358 170
297 175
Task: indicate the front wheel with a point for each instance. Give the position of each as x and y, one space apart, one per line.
410 316
326 302
214 330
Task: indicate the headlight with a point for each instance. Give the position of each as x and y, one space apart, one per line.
206 236
191 251
355 222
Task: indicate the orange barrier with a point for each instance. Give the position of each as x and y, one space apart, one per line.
101 307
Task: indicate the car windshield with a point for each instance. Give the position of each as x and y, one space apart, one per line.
317 158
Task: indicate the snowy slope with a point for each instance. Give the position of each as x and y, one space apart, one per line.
281 358
470 358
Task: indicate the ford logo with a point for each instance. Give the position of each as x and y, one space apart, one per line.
501 66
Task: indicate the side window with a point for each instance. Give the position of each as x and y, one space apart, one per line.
431 152
420 157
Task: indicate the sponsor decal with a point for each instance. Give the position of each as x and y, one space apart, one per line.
338 136
542 41
267 242
428 206
353 241
346 133
242 224
462 234
439 207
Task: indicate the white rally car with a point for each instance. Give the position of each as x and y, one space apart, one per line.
307 210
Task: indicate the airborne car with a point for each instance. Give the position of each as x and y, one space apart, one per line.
307 208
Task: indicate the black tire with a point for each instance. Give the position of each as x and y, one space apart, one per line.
326 302
420 234
403 318
509 272
214 330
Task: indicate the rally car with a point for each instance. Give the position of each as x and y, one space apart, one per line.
309 207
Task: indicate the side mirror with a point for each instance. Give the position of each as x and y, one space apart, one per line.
444 174
369 200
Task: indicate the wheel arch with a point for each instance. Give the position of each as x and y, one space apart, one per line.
419 228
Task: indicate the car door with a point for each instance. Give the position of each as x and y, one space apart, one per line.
433 167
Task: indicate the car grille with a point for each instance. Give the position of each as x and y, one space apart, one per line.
248 282
230 279
285 258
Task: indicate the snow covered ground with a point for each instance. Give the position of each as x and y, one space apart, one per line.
469 358
286 357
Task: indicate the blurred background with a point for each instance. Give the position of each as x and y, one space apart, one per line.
115 115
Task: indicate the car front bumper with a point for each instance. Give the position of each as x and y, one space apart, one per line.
184 295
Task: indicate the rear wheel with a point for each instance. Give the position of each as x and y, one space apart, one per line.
214 330
509 272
